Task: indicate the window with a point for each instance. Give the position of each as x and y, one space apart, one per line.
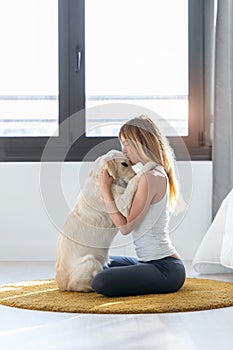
116 58
29 68
142 59
34 77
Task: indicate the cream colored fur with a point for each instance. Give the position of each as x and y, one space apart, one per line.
83 243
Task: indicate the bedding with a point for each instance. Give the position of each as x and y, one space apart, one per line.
215 253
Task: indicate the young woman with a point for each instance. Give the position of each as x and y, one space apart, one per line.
158 267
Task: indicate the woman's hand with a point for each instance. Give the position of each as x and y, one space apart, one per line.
105 182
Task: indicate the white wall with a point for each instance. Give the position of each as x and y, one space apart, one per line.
36 198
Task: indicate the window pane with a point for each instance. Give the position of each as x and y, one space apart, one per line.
28 67
137 53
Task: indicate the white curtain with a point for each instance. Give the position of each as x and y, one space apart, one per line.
223 109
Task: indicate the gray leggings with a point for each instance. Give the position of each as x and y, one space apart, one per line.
126 276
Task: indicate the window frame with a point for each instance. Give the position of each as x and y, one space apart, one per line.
72 97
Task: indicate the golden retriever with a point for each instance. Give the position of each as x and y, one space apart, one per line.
84 241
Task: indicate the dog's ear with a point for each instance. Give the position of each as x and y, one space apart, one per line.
110 166
96 166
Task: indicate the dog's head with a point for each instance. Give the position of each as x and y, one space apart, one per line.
117 165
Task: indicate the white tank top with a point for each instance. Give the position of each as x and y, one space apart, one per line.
151 237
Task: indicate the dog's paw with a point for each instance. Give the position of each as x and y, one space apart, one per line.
146 167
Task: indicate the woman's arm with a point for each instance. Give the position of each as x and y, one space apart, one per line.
146 190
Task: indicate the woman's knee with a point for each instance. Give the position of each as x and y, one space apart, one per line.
99 283
179 279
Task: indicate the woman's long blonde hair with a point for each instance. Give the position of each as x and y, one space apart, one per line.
147 141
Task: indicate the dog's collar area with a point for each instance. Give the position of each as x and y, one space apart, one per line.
123 183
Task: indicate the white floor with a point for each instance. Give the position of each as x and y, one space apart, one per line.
24 329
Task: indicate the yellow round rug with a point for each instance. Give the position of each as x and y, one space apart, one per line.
196 294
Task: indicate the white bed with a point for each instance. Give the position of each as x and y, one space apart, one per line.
215 253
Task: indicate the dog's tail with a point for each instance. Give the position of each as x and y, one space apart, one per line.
83 273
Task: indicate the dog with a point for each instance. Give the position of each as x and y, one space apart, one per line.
84 241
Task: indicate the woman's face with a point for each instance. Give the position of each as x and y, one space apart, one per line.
128 151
